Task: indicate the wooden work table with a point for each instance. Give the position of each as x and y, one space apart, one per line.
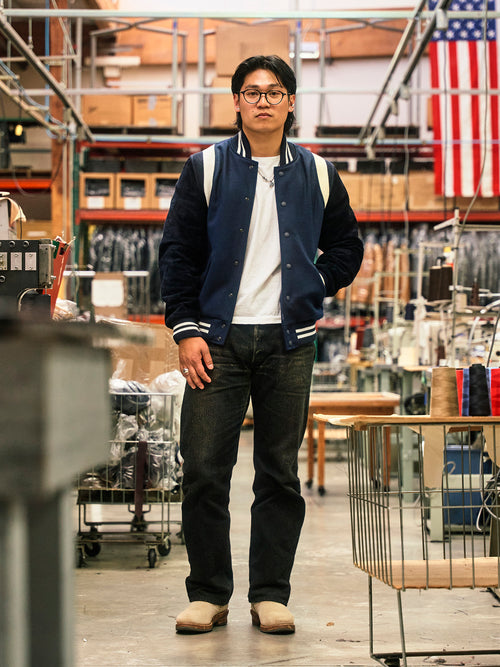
341 403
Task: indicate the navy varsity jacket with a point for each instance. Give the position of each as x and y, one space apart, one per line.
202 250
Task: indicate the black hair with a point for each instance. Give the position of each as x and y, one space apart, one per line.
281 70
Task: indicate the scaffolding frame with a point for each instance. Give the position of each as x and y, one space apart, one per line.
419 16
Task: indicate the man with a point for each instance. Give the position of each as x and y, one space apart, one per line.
242 293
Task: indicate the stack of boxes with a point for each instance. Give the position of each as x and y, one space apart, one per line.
127 191
131 184
234 44
127 110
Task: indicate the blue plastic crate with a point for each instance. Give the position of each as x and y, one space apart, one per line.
461 505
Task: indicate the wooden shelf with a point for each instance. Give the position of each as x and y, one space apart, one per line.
422 216
120 216
25 183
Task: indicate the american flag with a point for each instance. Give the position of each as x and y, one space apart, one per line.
466 126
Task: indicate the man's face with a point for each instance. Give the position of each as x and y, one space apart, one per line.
262 116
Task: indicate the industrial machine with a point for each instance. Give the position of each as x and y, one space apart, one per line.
26 266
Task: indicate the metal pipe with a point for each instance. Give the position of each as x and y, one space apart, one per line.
113 14
403 43
10 34
301 90
316 141
49 60
298 69
201 74
78 61
415 58
322 61
30 110
182 128
175 71
93 57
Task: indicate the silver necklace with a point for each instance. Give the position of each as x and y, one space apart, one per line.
270 182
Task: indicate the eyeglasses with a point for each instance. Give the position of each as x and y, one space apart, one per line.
272 96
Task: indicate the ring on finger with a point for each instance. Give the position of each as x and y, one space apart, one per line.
185 371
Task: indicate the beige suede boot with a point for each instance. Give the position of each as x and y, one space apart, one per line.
201 616
272 617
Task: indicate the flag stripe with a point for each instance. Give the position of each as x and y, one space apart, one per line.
466 127
455 119
475 117
436 120
495 118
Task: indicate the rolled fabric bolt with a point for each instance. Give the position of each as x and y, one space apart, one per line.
445 282
479 395
444 394
434 289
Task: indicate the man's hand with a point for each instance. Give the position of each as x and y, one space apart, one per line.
194 356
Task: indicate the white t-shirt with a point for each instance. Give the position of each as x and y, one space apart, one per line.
258 299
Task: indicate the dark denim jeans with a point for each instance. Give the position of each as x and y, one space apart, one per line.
253 363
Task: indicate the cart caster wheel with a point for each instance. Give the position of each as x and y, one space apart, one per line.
309 483
92 548
392 661
164 547
321 490
152 557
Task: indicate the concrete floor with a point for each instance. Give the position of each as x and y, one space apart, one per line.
125 612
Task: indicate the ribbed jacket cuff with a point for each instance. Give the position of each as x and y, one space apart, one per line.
186 329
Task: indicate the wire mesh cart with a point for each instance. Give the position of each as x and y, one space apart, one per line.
131 497
440 534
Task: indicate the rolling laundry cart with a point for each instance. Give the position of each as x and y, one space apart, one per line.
440 534
131 497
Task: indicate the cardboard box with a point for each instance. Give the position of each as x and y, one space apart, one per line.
97 191
352 183
152 110
109 294
133 191
143 362
33 230
366 42
422 196
235 43
222 113
107 110
162 190
421 192
381 192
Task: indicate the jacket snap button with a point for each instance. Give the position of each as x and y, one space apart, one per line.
283 203
288 266
236 262
288 297
287 234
